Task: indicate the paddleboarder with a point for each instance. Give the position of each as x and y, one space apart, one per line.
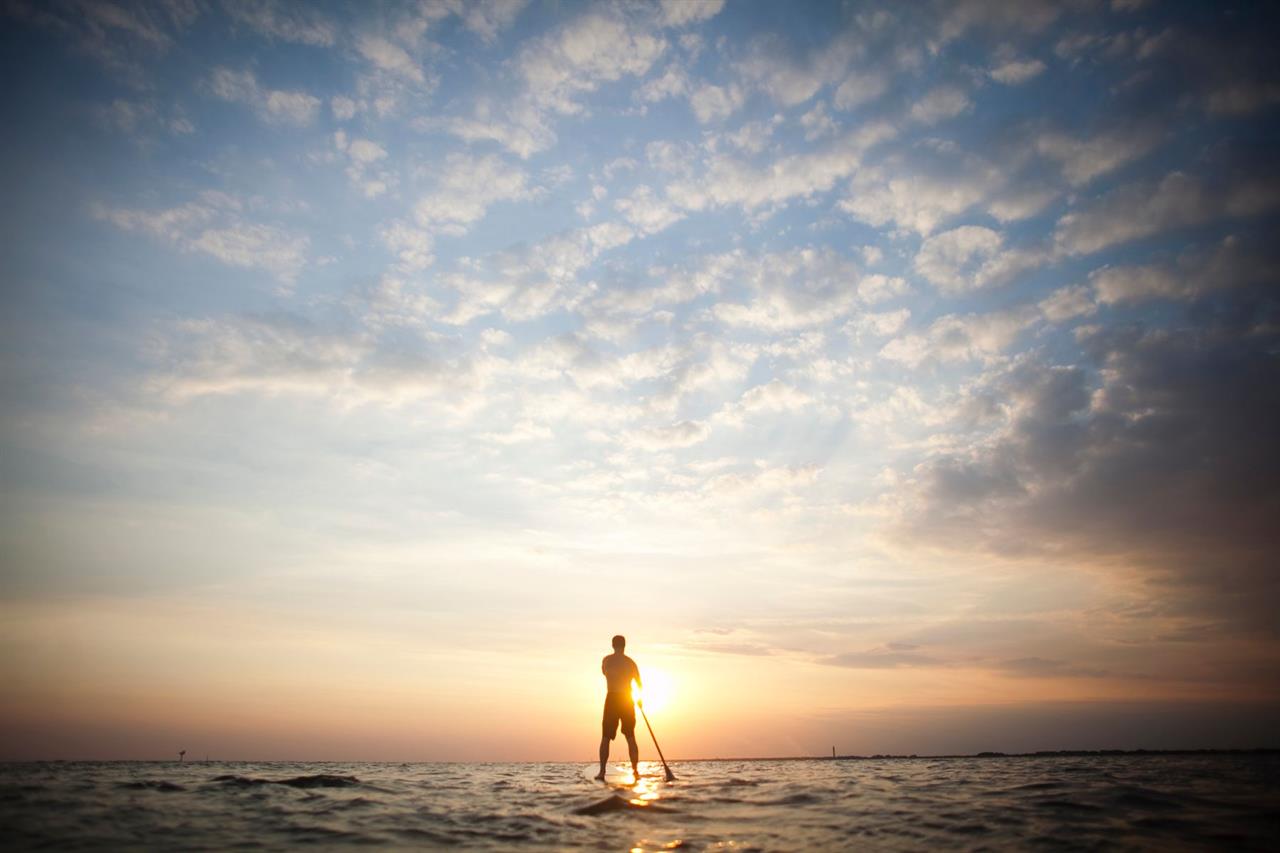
619 671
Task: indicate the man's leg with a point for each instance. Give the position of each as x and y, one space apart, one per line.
604 755
633 750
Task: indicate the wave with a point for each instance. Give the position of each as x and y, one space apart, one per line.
318 780
618 804
152 785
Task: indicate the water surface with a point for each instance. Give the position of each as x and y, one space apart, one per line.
1120 802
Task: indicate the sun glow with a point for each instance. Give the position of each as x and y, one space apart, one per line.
658 690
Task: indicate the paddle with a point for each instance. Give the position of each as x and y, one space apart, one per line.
671 777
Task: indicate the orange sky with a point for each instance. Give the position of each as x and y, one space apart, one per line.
132 679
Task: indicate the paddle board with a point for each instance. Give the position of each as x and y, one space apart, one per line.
624 791
615 775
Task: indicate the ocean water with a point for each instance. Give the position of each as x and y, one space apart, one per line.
1154 802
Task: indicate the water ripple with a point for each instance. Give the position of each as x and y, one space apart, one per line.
1173 802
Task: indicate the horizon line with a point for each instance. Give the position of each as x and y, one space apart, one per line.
1043 753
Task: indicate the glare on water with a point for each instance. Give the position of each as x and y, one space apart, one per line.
646 789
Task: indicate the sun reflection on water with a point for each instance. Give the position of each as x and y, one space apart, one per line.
647 788
645 845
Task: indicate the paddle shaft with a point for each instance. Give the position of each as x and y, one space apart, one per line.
670 776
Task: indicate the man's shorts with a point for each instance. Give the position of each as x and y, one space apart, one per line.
618 708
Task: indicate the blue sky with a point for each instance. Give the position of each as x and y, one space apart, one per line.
891 360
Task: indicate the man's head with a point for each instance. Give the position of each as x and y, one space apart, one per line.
619 642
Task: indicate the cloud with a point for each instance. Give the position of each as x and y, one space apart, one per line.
885 658
390 57
365 151
363 157
647 212
799 289
395 302
255 246
1231 263
1037 667
939 104
859 88
1082 160
715 103
818 123
290 107
520 127
213 225
672 83
1241 99
525 282
672 436
136 22
918 201
750 649
621 306
972 257
591 369
276 106
922 188
142 118
413 246
982 337
962 337
1015 72
679 13
118 36
488 18
1132 212
291 23
788 80
343 108
1178 200
943 257
126 116
575 59
554 72
288 355
730 181
773 397
1188 415
958 18
880 324
467 186
764 482
1018 202
1068 303
1220 65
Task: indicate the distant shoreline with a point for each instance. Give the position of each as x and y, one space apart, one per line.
1046 753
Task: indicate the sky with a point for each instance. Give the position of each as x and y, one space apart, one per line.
897 378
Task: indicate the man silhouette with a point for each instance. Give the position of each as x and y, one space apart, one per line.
619 671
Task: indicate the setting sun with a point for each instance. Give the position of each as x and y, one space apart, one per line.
658 690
